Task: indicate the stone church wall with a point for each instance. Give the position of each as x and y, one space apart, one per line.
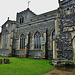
4 52
39 23
62 21
40 27
19 53
65 21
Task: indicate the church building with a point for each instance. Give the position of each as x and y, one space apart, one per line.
49 35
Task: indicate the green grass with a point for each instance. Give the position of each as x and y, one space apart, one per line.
24 66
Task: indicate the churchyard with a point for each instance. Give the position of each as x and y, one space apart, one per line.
24 66
27 66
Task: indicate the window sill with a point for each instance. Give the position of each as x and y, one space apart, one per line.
37 49
20 49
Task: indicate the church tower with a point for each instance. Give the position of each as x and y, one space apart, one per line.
65 30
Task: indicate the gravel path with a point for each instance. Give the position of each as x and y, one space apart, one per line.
59 72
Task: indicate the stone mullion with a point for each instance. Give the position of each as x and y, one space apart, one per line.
39 42
24 42
21 43
33 42
36 42
2 40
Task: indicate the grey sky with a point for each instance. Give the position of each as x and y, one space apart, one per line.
9 8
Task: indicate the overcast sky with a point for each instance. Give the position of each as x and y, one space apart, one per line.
9 8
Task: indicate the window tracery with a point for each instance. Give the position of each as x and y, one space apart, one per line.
37 40
22 41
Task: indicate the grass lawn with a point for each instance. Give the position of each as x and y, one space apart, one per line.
24 66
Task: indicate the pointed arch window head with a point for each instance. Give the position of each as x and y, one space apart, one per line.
37 40
53 35
22 41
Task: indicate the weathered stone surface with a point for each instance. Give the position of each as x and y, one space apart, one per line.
64 40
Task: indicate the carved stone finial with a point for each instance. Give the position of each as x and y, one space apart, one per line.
8 18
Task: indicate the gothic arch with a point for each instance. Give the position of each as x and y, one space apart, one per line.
73 43
37 40
22 41
22 33
53 34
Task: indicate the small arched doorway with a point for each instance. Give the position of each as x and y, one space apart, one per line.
74 47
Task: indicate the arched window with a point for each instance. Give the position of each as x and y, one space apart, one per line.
21 20
68 11
53 34
22 41
37 40
5 40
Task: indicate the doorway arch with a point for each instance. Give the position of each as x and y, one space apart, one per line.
74 46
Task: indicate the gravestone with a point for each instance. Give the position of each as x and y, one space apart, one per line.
6 61
0 61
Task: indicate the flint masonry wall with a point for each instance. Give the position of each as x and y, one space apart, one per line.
65 23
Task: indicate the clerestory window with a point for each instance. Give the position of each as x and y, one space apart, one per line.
21 20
